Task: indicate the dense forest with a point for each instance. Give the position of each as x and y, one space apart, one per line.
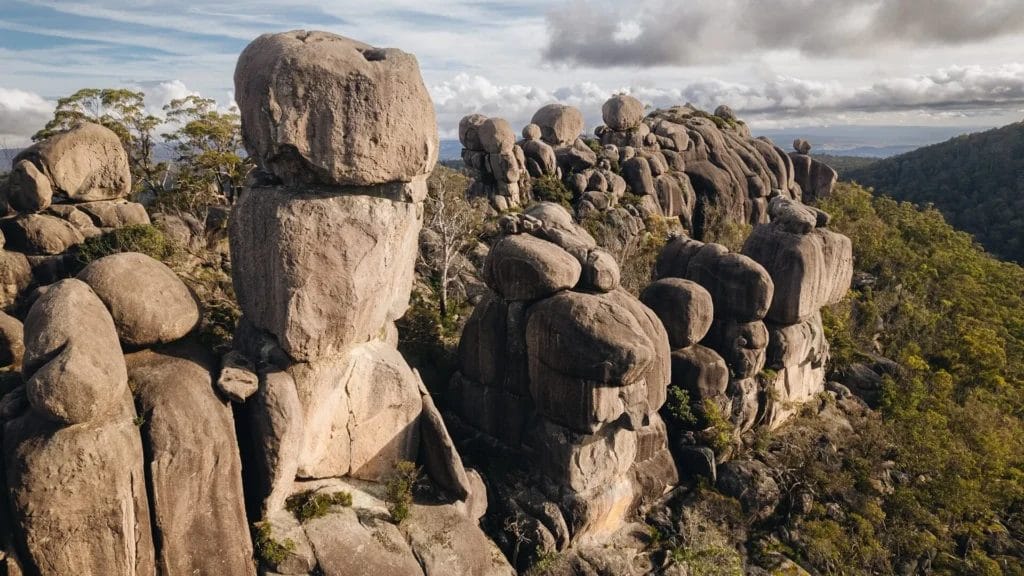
947 437
975 180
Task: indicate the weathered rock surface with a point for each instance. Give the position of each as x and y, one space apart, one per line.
750 482
193 465
740 288
40 234
622 112
321 108
560 125
73 366
149 303
12 342
809 270
78 493
84 164
522 267
28 189
361 413
684 307
15 277
322 272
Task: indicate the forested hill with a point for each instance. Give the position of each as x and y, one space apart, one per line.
975 180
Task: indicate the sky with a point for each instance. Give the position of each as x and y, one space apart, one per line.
777 63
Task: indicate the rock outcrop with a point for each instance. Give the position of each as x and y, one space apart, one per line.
323 249
746 328
815 178
61 192
564 372
491 151
119 465
680 163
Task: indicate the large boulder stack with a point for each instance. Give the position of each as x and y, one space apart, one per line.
87 452
816 179
61 191
811 267
323 248
722 298
746 329
73 454
681 167
564 372
497 161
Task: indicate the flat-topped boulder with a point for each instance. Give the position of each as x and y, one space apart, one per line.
322 108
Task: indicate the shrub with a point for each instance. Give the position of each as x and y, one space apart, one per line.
308 505
144 238
678 406
399 488
270 551
548 188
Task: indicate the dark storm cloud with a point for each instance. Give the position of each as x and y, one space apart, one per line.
602 33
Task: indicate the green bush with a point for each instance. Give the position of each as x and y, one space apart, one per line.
309 504
270 551
398 491
548 188
144 238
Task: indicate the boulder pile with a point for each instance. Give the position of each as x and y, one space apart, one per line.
61 191
745 328
323 250
562 372
811 267
120 453
491 151
678 163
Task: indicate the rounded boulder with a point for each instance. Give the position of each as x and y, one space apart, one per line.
523 267
469 131
560 125
148 302
622 112
497 136
73 366
683 306
85 163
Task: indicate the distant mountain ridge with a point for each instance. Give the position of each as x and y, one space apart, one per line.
975 180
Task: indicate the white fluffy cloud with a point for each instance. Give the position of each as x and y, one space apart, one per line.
950 92
21 115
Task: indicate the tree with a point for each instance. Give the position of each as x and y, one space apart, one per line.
454 225
207 145
123 111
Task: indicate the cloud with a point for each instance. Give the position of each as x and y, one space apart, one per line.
944 94
647 33
21 115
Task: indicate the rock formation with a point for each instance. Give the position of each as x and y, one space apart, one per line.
490 149
679 163
62 191
116 463
323 252
563 372
815 178
749 347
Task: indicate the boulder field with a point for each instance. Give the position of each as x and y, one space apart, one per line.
311 446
